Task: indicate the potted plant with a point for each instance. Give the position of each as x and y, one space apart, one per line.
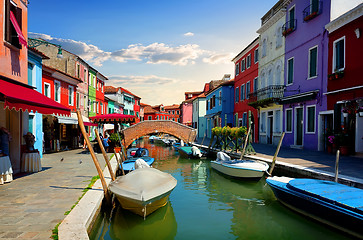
115 140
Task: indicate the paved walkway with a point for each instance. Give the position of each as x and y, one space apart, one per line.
33 204
351 166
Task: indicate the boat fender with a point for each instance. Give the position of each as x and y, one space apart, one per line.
140 163
221 156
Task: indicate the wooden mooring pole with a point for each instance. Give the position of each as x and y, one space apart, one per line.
105 155
337 166
277 152
119 161
246 140
95 161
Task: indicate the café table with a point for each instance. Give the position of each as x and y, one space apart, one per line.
6 170
30 162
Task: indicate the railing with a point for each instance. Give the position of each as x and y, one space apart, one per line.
289 27
266 95
312 11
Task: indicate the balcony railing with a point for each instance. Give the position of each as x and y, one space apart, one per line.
289 27
312 11
267 95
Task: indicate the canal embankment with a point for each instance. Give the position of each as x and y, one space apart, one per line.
304 163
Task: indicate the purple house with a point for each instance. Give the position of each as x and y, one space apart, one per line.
306 61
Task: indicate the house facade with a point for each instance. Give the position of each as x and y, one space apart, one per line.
306 58
345 83
174 112
199 111
245 83
92 104
101 103
116 105
271 74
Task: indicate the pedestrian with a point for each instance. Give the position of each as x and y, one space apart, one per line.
105 141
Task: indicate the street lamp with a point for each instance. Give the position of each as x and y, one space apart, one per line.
32 43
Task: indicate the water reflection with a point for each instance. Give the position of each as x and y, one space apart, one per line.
159 225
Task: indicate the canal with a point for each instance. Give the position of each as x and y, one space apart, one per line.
208 205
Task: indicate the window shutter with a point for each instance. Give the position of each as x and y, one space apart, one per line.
7 21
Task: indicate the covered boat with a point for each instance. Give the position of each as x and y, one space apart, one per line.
329 202
143 190
190 152
136 153
239 168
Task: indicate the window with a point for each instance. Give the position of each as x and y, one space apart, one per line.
278 121
70 96
313 62
177 112
244 120
206 106
57 91
97 107
173 112
237 94
264 47
290 71
288 120
248 89
77 100
101 108
78 70
339 54
220 98
126 112
149 118
278 36
243 65
31 123
30 74
237 69
314 7
10 33
292 17
256 55
47 90
157 117
242 92
255 84
248 61
85 75
310 124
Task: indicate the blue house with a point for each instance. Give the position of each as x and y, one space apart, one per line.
219 106
33 122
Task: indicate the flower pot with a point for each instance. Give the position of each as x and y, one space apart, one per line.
344 150
117 149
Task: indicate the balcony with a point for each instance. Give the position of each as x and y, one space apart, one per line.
265 96
289 27
312 11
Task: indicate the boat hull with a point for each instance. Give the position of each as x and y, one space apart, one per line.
237 172
129 164
322 211
186 152
141 208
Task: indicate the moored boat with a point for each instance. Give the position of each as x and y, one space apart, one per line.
332 203
143 190
239 168
190 152
136 153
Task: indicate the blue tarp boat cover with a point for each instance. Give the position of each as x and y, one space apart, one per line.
344 196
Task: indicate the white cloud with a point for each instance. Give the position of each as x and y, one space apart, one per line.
189 34
218 58
155 53
139 80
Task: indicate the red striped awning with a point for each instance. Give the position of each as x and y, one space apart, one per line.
20 96
21 37
113 117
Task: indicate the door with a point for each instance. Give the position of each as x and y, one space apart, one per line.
299 126
270 125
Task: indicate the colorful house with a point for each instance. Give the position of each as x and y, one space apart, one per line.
245 83
345 83
199 111
116 105
155 112
270 85
101 103
306 58
219 106
187 108
174 112
92 104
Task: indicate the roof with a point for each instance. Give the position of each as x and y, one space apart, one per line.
224 83
174 106
39 53
128 92
110 89
148 109
61 72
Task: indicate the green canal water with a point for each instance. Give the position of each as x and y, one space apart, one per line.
208 205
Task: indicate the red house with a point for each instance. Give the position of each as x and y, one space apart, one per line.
174 112
155 113
102 105
245 83
345 81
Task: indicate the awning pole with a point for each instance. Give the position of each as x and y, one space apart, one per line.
105 155
95 161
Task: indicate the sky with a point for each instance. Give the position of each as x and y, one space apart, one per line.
156 49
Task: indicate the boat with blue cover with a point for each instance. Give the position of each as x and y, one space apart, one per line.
133 154
329 202
190 152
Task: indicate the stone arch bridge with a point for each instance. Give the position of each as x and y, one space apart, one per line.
185 133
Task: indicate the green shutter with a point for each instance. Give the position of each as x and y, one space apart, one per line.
313 62
290 73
